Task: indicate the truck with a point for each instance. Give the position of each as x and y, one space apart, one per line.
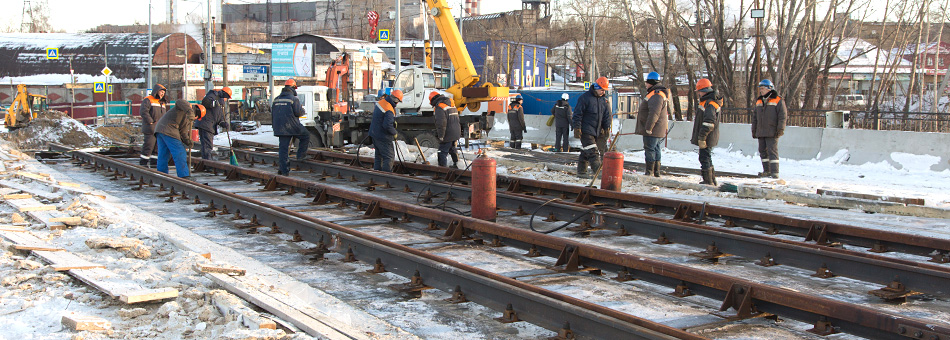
414 119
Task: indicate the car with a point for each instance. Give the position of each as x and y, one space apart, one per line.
850 100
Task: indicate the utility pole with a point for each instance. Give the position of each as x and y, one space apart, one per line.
758 45
184 68
224 52
148 83
398 47
209 51
105 107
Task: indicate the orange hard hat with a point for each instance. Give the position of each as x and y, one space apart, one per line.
228 91
199 110
397 94
433 94
603 82
702 84
290 82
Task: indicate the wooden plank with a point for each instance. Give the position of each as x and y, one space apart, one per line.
41 177
895 199
64 260
85 323
229 304
69 220
146 295
26 241
69 184
220 269
8 191
43 194
121 288
16 196
12 228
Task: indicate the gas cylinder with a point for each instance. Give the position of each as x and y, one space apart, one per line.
612 174
483 188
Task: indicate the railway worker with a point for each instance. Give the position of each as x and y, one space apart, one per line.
562 123
214 102
768 124
447 127
706 127
285 115
516 124
383 131
173 132
652 122
152 109
591 123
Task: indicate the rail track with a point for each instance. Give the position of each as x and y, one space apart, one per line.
744 297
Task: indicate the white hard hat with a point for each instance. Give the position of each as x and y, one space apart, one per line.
565 96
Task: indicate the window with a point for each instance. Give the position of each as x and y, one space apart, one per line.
930 61
404 81
428 80
941 61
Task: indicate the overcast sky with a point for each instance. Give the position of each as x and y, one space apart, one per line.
75 16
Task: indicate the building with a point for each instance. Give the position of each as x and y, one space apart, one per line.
368 63
511 64
69 80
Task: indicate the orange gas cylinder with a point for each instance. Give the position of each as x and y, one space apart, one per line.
612 174
483 189
194 135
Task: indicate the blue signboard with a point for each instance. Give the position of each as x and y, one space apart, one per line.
292 60
255 69
383 35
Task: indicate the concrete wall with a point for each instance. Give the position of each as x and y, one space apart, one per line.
921 151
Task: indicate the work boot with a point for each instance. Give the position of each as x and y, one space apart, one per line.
455 166
656 169
152 162
143 161
705 173
648 170
595 167
765 170
582 169
774 170
712 176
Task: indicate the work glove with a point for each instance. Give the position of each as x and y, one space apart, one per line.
702 144
649 132
577 133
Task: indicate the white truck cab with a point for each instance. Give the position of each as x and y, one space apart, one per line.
313 99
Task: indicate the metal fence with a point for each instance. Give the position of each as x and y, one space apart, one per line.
869 120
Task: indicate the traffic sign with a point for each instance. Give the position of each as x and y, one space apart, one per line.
547 82
106 71
110 88
586 85
52 53
99 87
383 35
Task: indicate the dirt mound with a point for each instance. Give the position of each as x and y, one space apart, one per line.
125 134
55 127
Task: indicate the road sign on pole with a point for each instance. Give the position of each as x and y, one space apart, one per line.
110 89
52 53
106 71
99 87
586 86
383 35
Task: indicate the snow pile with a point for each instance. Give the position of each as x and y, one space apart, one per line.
55 127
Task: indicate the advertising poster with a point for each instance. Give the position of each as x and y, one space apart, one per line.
292 60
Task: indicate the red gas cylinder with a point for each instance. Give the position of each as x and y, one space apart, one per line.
483 189
194 135
612 174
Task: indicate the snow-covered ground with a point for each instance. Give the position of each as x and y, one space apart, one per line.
882 179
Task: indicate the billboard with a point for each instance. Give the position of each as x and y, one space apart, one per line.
292 60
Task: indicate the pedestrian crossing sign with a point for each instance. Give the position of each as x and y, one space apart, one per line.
110 88
586 86
52 53
383 35
99 87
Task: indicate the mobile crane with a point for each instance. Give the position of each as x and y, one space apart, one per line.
415 120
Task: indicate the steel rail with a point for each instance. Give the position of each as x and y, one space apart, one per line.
870 267
747 297
811 230
539 306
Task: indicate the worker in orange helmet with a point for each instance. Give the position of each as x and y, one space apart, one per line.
383 131
591 122
706 127
216 105
285 116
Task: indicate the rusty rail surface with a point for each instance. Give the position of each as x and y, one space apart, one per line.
822 232
747 298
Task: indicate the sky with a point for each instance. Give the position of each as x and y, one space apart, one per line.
75 16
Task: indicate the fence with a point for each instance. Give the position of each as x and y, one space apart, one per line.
868 120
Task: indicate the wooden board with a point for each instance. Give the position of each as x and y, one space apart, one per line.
26 241
30 204
16 196
220 269
44 194
895 199
121 288
41 177
85 323
12 228
64 260
68 220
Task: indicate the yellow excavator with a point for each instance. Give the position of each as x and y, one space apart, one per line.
24 108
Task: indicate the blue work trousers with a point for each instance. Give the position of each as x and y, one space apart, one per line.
170 147
652 147
283 151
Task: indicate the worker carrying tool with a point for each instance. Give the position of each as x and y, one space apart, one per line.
285 116
591 123
383 131
214 102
